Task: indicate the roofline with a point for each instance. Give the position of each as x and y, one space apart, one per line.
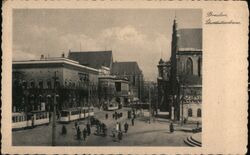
89 51
53 61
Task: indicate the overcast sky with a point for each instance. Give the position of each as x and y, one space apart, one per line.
141 35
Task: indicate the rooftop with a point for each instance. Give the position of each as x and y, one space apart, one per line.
125 68
190 39
94 59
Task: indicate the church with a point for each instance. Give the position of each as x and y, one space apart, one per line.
180 78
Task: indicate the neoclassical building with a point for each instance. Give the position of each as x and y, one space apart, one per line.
35 83
180 78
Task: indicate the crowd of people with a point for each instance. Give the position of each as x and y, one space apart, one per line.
101 128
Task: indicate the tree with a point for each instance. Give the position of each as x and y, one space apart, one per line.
18 99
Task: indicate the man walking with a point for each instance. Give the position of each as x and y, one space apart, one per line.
133 121
84 133
106 115
78 133
171 127
88 129
126 127
119 136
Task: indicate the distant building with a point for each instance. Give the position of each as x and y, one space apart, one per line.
150 93
180 79
93 59
133 73
34 83
111 86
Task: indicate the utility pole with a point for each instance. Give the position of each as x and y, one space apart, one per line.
54 113
149 99
88 100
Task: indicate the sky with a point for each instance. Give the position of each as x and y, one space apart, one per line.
142 35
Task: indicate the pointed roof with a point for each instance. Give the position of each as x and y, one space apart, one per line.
190 38
94 59
127 68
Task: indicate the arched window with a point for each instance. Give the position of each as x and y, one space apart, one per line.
49 84
189 66
40 84
199 66
190 113
199 113
24 84
32 84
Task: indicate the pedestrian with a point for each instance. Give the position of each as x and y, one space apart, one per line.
64 130
107 115
113 132
113 116
133 121
119 136
104 129
171 127
117 127
78 133
88 129
84 133
126 127
76 125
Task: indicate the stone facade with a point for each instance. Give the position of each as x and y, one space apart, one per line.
73 83
180 79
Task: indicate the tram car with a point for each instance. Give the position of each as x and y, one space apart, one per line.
111 106
21 120
76 114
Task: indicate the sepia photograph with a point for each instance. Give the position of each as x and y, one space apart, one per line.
107 77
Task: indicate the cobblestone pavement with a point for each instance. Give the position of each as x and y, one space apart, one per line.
142 133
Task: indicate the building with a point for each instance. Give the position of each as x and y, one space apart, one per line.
36 81
180 79
93 59
150 93
112 87
132 72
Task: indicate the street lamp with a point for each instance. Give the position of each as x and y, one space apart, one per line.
54 113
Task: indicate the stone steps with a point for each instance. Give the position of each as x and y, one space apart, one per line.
190 141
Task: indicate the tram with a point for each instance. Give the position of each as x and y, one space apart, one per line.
111 106
21 120
73 114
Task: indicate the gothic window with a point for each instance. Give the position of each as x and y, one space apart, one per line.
189 66
199 113
190 113
199 66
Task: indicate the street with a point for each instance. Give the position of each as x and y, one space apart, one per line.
142 133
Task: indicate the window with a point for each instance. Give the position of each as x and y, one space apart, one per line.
57 84
40 84
190 113
199 113
199 66
49 84
32 84
24 84
189 66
